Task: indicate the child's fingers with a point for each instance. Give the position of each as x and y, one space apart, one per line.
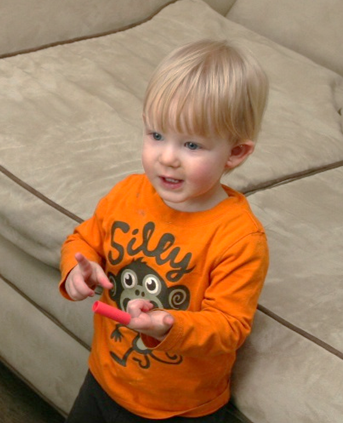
78 289
155 323
92 273
84 264
102 279
136 307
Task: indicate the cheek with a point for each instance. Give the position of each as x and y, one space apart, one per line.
147 158
207 172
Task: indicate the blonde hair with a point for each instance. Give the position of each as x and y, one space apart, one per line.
207 88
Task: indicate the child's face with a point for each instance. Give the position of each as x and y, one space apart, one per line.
185 170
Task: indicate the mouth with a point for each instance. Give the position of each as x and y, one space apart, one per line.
171 182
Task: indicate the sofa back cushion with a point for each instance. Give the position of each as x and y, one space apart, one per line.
30 24
312 28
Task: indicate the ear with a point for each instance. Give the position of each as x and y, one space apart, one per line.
239 153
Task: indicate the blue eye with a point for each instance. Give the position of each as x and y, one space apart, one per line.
192 145
156 136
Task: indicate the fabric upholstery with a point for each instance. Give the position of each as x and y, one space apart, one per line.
306 244
312 28
26 25
297 338
35 23
26 345
281 376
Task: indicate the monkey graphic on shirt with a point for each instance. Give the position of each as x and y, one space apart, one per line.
138 280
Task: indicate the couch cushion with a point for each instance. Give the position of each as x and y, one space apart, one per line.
283 377
312 28
23 24
303 221
44 355
71 120
295 353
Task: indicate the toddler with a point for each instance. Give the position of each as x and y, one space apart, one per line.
180 252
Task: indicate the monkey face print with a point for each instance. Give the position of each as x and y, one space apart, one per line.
138 280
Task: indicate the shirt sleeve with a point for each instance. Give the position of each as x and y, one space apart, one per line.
228 307
87 239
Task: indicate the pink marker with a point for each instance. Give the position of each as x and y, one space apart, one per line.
111 312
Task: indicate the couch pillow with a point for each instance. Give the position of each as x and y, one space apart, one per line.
312 28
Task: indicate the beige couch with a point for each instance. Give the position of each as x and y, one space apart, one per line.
70 128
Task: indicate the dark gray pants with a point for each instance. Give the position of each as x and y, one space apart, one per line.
93 405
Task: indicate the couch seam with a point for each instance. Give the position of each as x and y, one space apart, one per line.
39 195
274 183
300 331
86 37
43 311
293 177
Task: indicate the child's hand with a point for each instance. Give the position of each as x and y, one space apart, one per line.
154 323
84 278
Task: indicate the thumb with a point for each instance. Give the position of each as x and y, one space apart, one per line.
168 320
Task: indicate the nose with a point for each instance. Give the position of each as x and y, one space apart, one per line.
169 156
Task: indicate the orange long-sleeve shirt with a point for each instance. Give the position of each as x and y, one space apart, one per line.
206 268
